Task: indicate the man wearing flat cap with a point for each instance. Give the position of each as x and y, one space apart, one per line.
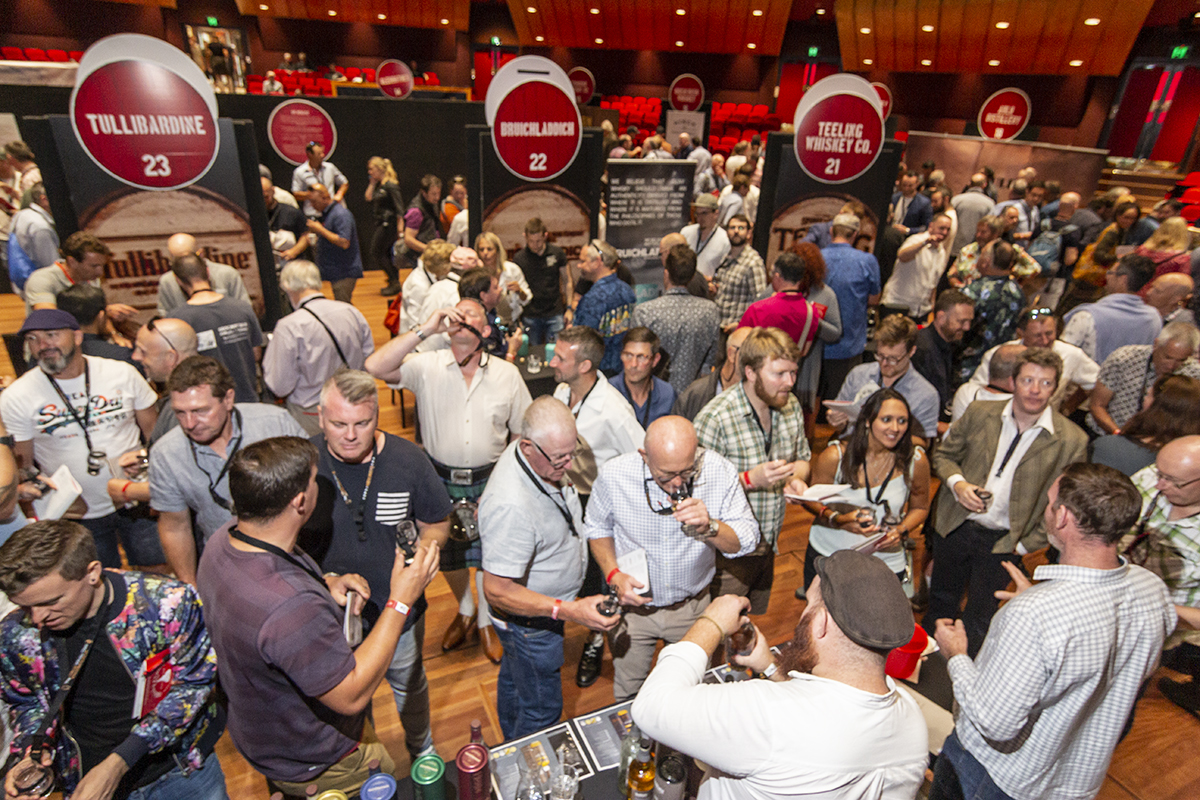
708 240
824 721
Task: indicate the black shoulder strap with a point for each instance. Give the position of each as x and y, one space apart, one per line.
341 355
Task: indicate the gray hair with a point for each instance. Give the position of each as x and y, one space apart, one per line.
354 385
544 415
300 275
1178 331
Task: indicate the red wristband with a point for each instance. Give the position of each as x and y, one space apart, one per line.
126 486
556 609
402 608
610 575
746 478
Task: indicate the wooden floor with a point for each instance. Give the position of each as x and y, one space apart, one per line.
1152 763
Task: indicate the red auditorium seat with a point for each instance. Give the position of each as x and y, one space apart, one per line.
772 122
36 54
1192 179
369 74
626 99
59 56
13 53
716 130
760 109
713 143
76 55
605 104
352 73
733 133
432 79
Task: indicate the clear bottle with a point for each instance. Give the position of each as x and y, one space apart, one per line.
534 784
641 773
477 732
629 746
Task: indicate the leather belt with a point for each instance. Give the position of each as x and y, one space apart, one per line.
463 476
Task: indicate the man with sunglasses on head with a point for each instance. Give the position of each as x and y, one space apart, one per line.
160 345
656 521
1166 541
82 413
607 305
376 490
534 574
468 404
189 466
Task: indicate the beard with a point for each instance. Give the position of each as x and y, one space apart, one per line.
54 364
773 401
800 654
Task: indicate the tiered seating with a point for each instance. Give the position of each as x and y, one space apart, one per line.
76 55
13 53
59 56
730 123
643 113
36 54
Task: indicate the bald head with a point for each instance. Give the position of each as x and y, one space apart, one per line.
667 242
545 417
161 349
1184 451
181 244
734 342
1068 201
670 449
1178 464
1169 292
1002 369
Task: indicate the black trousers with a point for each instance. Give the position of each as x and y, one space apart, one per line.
381 251
964 561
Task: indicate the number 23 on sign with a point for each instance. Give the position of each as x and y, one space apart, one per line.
156 166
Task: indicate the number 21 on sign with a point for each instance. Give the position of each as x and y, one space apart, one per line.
833 166
156 166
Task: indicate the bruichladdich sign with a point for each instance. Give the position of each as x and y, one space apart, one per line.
536 127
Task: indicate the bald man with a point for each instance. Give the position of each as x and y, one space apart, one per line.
724 376
224 278
160 346
656 520
1170 295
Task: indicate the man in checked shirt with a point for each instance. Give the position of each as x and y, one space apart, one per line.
672 507
1045 702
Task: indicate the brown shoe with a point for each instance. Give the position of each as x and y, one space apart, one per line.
491 644
460 630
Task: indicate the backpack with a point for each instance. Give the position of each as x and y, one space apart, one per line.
1046 249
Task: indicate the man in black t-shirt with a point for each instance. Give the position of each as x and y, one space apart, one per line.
281 217
549 278
370 484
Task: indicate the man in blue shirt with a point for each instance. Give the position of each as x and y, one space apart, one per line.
854 277
608 305
650 396
338 256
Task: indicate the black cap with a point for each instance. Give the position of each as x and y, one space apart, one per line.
865 600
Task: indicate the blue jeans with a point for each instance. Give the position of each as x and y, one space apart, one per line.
406 676
206 783
959 776
529 688
137 532
542 329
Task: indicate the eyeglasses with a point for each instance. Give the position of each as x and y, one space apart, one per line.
637 358
150 327
556 463
1035 313
1175 482
891 361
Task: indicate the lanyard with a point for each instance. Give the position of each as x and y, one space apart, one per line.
233 449
883 486
60 697
87 402
566 515
1146 377
701 245
360 513
1012 447
589 394
279 551
338 347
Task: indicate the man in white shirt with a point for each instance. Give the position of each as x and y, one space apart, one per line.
469 403
1042 707
1001 380
825 722
316 170
706 238
920 262
34 229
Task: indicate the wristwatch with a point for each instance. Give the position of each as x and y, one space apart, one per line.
713 528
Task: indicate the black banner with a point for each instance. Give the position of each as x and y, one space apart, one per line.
569 205
793 202
646 201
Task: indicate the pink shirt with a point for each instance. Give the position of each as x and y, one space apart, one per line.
788 311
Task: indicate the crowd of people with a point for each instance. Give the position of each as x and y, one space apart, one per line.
989 398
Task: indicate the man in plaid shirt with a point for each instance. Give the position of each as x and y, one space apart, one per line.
759 426
741 277
1048 697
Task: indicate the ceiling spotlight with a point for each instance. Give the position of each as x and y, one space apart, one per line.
821 11
758 12
864 31
382 16
751 45
539 38
868 61
927 28
263 7
599 41
531 9
1076 63
1002 25
595 10
679 44
1092 21
332 13
925 62
681 11
995 62
444 21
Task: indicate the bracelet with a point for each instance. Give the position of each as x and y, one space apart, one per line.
420 333
402 608
746 478
556 609
126 486
714 622
610 575
770 670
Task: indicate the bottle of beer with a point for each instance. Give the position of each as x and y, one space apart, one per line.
629 745
476 732
641 773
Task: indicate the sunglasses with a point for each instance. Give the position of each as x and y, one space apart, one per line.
150 326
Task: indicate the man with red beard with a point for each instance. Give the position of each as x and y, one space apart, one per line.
759 426
826 721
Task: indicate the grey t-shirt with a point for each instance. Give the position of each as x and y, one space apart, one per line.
228 331
182 471
544 557
224 279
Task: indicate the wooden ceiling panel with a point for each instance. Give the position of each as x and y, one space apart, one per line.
1041 36
403 13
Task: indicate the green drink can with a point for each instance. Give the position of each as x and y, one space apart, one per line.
428 773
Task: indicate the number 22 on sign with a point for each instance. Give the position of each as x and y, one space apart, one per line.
537 162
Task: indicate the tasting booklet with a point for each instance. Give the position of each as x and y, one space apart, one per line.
635 565
153 684
602 731
54 502
352 623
